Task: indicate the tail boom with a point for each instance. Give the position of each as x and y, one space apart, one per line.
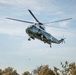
60 41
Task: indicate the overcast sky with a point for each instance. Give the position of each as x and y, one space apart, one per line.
15 49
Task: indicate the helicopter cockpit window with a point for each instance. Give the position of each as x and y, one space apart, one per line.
35 29
30 26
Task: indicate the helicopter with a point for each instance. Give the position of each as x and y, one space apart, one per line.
37 30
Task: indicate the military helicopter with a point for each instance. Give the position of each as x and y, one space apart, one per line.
37 30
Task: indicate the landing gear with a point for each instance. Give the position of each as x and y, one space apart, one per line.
50 45
29 39
33 38
42 37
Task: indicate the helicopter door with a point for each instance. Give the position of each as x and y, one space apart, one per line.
41 34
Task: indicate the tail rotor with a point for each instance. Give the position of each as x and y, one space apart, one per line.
63 39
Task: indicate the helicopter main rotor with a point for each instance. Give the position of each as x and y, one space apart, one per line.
37 21
35 17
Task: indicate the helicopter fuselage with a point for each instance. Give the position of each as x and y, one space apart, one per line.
38 32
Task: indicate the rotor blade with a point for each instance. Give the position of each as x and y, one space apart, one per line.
20 20
55 27
33 15
58 20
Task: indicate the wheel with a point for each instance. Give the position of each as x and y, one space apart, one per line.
50 46
29 39
42 37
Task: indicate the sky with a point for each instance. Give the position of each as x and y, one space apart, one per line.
15 49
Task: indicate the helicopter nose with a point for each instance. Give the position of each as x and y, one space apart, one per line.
28 30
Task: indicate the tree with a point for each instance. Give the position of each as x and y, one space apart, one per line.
72 68
9 71
55 71
0 71
43 70
36 71
26 73
68 69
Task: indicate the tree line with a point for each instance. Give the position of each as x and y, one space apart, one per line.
67 69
